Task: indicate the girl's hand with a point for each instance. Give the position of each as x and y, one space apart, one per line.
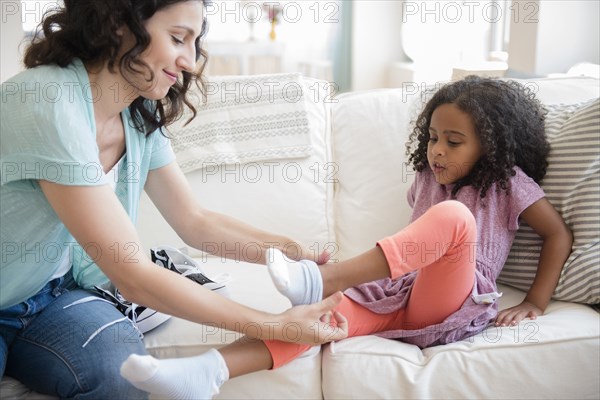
312 324
512 316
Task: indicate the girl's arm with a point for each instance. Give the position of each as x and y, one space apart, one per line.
212 232
94 215
556 247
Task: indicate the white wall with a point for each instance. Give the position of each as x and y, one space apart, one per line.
569 34
550 36
11 35
376 30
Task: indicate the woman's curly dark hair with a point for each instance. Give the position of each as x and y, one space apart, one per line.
87 29
509 121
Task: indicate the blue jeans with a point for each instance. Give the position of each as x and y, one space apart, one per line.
57 346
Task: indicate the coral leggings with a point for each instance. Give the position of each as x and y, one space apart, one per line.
440 246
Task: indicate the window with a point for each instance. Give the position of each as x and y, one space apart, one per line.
32 12
452 33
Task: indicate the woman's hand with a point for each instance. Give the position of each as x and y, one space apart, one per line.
323 257
512 316
299 252
311 324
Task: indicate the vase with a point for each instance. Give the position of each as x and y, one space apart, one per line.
272 34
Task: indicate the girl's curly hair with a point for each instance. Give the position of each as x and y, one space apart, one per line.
509 121
87 29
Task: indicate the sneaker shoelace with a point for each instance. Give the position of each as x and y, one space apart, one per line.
127 308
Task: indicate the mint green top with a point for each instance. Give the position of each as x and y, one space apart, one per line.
48 131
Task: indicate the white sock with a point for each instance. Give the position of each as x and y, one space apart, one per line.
197 377
299 281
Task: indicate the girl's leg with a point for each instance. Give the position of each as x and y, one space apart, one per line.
361 321
446 232
304 282
440 245
245 356
439 291
198 377
434 235
75 362
366 267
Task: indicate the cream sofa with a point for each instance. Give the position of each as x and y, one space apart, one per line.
343 192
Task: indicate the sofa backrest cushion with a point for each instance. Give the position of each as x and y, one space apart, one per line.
249 119
370 130
287 195
563 90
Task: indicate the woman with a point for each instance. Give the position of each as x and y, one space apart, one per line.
102 82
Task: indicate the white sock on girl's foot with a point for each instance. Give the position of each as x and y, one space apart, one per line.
197 377
299 281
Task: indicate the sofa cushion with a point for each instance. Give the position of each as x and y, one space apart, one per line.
563 90
289 196
555 356
10 388
370 130
572 185
245 119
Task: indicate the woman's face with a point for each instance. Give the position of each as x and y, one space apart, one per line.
173 31
454 147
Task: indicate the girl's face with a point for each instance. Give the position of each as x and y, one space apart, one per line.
173 31
454 146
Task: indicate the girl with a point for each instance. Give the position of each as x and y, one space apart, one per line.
102 82
480 154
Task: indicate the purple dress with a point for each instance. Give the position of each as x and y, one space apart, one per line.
497 219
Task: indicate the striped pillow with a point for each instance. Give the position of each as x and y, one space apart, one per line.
572 185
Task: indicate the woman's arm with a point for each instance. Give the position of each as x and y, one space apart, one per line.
209 231
556 247
94 215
